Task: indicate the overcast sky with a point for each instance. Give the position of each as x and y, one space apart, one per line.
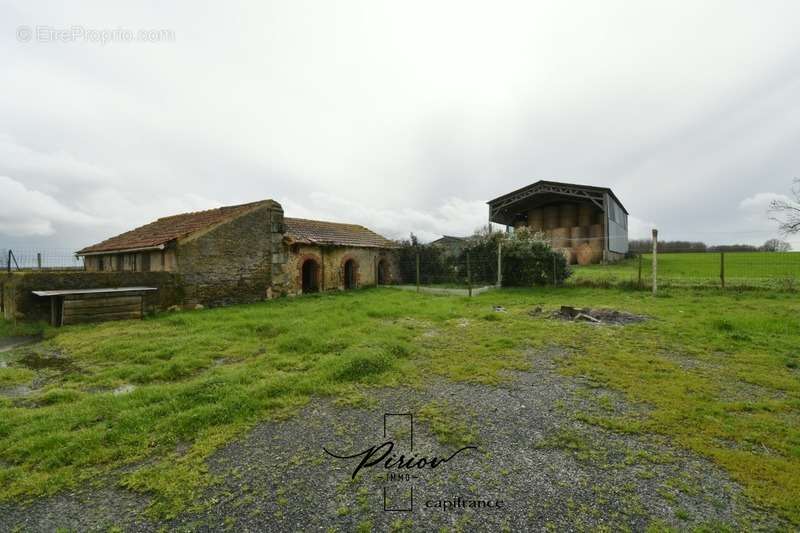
402 116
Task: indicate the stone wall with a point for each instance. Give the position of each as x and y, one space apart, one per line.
332 259
238 261
18 299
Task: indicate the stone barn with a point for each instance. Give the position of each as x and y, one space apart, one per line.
328 255
248 252
587 224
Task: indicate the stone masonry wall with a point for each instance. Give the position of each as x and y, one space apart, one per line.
331 260
238 261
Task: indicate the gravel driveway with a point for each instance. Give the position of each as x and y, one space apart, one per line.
548 470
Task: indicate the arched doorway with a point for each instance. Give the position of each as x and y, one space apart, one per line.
310 276
350 271
383 272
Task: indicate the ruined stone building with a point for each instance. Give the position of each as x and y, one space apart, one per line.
248 252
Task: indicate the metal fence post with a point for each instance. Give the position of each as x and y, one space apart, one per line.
640 272
722 268
655 261
417 269
499 263
469 277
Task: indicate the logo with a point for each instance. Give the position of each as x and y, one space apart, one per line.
397 460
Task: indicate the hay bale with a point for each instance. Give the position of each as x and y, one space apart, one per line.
586 215
551 216
536 219
596 236
568 215
560 238
577 235
584 254
569 255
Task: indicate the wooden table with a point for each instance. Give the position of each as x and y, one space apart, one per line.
74 306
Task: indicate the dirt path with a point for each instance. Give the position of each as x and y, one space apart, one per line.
548 470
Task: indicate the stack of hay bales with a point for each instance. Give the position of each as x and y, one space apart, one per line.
573 229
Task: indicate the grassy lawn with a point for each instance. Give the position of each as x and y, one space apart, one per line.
718 372
756 269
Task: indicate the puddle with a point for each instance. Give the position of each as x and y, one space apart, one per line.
123 389
37 362
17 391
9 343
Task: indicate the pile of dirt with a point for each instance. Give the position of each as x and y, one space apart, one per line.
597 316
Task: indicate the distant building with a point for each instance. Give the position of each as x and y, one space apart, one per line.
588 224
454 245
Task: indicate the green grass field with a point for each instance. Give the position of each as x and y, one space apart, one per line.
753 269
148 401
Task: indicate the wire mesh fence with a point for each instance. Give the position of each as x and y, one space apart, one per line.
754 269
587 263
22 259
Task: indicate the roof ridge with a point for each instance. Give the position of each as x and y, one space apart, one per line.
220 208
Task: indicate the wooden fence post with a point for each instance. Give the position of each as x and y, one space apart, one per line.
39 260
469 276
722 268
655 261
417 269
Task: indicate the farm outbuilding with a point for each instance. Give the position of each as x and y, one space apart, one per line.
249 252
588 224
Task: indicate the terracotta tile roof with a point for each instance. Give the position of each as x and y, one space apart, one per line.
169 228
333 233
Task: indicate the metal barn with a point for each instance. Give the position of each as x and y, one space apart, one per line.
587 224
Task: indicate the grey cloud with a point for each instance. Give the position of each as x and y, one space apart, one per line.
404 117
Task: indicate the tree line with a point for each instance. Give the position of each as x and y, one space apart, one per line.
646 245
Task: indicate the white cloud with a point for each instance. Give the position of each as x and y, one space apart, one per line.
454 216
640 229
29 212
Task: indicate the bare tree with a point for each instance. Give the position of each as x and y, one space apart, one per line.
776 245
788 211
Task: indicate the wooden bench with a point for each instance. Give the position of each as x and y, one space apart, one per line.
75 306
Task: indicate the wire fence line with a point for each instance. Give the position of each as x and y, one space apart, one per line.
22 259
690 268
723 266
691 265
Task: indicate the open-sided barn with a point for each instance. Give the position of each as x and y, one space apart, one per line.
588 224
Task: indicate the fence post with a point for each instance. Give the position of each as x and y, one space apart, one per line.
469 277
722 268
39 260
655 261
9 261
417 269
640 272
499 263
